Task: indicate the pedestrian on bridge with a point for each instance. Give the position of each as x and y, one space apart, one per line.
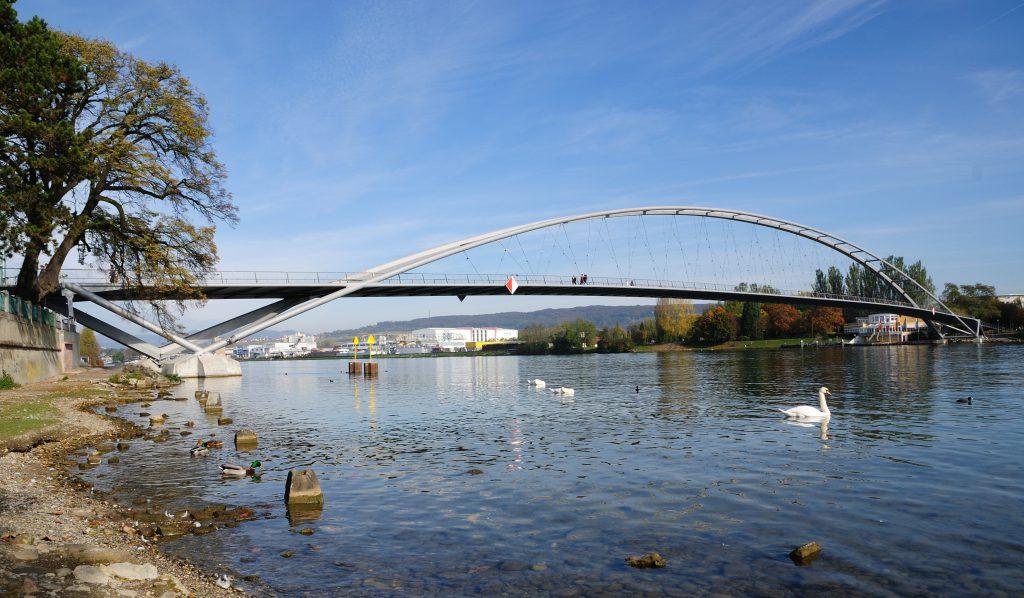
574 280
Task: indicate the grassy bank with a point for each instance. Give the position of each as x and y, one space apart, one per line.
773 343
26 416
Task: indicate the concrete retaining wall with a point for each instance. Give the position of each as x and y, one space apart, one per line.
32 351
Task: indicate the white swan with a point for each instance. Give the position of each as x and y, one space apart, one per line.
538 383
808 412
561 390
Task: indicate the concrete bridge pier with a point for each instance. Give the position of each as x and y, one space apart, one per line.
206 365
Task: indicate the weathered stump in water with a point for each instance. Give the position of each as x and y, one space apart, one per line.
202 395
223 421
805 553
213 405
302 488
245 439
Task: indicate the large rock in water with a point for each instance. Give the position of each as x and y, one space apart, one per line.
805 553
202 366
302 488
245 439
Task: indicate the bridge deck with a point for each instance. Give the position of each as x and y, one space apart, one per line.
433 289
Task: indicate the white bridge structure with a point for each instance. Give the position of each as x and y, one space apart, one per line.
298 292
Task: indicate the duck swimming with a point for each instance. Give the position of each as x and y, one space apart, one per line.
199 450
808 412
538 383
561 390
966 401
238 471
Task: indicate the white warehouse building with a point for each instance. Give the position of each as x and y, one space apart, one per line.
455 339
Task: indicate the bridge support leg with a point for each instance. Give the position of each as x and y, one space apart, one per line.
108 330
185 366
255 316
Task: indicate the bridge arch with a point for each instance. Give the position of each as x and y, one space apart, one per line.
870 261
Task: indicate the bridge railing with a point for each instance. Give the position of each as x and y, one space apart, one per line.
317 278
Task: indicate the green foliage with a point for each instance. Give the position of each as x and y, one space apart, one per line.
673 318
752 323
7 381
89 348
130 137
173 377
863 282
535 339
1011 314
614 340
643 332
26 416
573 337
714 327
975 300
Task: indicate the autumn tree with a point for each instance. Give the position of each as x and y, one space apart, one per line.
824 320
107 154
673 318
89 348
783 320
713 327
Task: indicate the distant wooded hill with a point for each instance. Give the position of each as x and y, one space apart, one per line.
601 315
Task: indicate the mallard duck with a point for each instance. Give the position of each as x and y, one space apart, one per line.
214 444
199 450
238 471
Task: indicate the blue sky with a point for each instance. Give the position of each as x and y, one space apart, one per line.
355 133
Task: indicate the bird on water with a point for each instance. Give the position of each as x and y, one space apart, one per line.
967 401
808 412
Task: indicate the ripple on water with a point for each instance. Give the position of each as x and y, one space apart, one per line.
907 491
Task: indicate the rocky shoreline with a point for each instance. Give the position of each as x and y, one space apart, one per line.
60 535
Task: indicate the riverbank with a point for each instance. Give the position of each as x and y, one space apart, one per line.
58 534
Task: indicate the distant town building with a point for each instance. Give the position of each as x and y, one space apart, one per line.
885 328
456 339
293 345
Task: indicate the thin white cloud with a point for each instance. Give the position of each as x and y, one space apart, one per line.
1000 85
759 33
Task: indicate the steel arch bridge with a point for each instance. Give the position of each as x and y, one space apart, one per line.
298 293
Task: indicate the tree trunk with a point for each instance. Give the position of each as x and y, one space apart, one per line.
28 277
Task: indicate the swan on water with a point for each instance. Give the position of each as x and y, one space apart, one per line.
808 412
561 390
538 383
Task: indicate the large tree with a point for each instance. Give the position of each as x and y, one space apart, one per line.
106 153
89 347
673 318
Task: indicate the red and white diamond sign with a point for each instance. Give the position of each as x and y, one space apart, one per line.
511 285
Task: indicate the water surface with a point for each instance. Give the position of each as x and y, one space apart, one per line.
907 491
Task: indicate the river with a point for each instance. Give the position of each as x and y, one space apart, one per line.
906 490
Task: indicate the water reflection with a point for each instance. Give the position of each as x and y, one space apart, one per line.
695 461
